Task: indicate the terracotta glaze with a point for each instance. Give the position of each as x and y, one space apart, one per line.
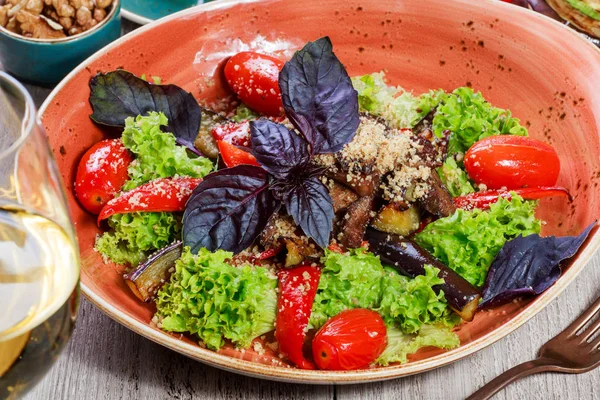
542 71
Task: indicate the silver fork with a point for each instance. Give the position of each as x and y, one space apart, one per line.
571 352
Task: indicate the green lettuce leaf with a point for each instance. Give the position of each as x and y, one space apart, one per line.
156 153
470 118
455 178
398 107
216 301
134 235
414 314
347 281
411 303
400 345
359 280
243 113
468 241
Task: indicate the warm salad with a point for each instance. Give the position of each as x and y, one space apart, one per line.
349 220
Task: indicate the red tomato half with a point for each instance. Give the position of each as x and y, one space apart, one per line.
512 162
353 339
237 133
101 173
254 77
233 156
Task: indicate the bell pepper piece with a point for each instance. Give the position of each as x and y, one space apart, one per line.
482 200
233 156
164 194
297 290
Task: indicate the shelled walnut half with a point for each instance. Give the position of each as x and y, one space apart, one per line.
50 19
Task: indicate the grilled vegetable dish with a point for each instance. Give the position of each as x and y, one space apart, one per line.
350 221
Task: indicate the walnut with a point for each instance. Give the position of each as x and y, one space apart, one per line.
84 16
77 4
75 30
99 14
35 6
33 26
103 3
66 23
51 13
4 16
12 25
63 8
52 18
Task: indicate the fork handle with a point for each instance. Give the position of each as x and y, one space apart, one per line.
541 364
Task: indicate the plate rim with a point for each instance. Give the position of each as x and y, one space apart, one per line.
295 375
133 17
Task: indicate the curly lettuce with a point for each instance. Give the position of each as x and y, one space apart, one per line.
394 104
469 118
400 345
134 235
359 280
208 297
243 113
156 153
347 281
468 241
455 178
412 303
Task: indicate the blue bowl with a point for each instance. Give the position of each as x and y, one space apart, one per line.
146 11
46 61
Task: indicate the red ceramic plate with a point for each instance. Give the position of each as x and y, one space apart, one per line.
544 72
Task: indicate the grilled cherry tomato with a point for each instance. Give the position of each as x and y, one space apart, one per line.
512 162
483 200
101 173
254 77
353 339
232 155
236 133
164 194
297 290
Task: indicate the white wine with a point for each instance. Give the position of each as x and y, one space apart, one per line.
39 276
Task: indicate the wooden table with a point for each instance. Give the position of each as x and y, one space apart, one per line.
104 360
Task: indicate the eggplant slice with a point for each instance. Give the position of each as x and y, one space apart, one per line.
438 201
341 196
146 280
355 222
408 258
205 141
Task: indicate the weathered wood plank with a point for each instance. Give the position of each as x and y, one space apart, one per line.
105 360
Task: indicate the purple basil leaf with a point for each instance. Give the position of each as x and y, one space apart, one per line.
528 266
229 209
119 94
318 97
310 205
280 151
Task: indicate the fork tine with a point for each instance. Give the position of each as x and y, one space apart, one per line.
590 330
595 343
583 318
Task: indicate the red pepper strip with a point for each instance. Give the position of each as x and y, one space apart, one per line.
233 132
336 248
482 200
164 194
233 156
269 253
297 290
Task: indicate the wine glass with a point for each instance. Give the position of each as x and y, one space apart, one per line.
39 258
